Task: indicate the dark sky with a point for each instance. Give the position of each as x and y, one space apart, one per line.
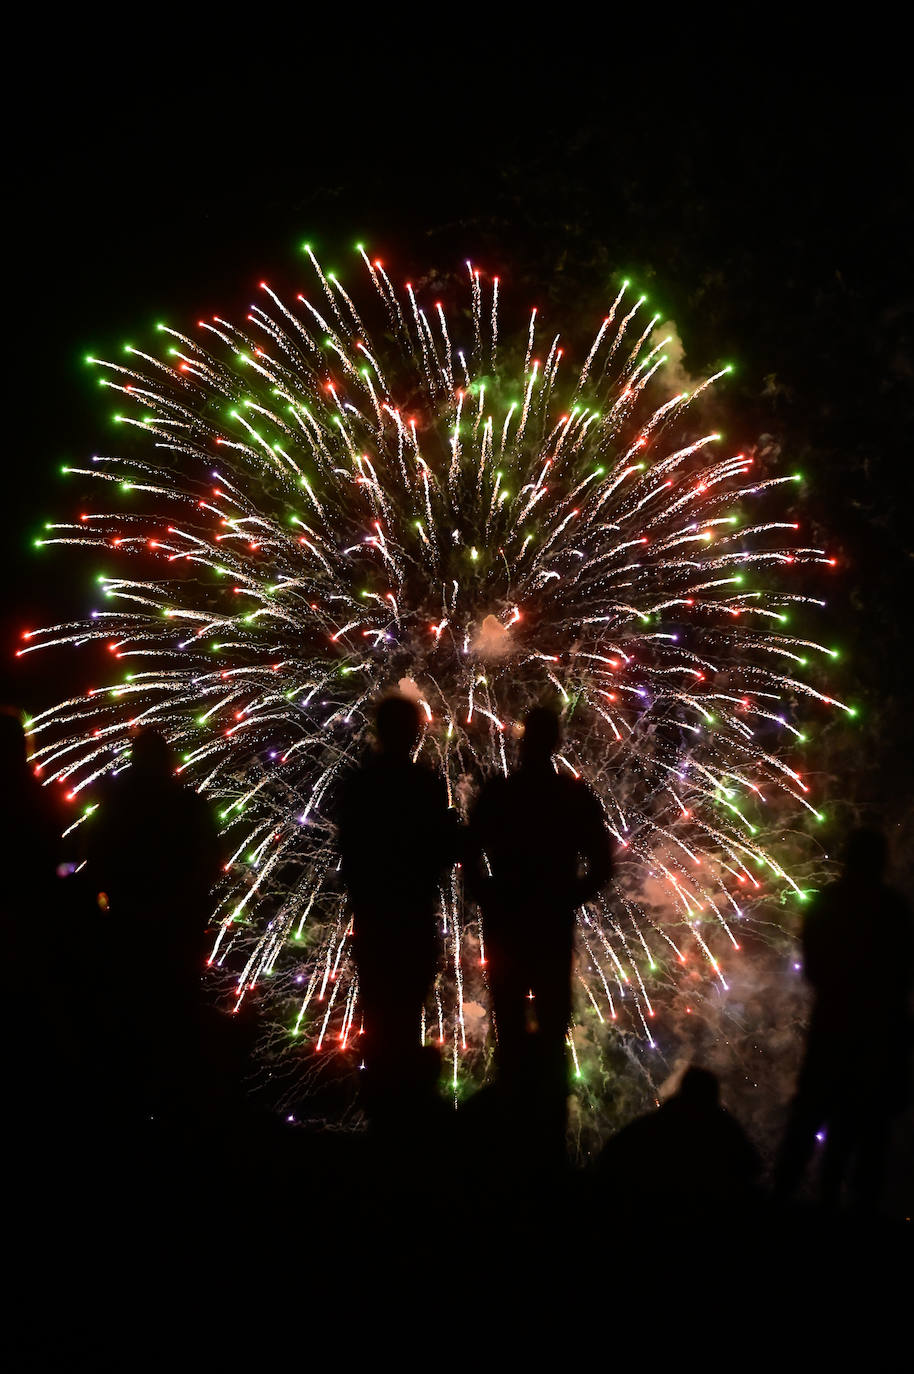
762 193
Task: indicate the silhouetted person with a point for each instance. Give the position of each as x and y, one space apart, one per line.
537 849
858 951
397 838
153 857
688 1154
31 824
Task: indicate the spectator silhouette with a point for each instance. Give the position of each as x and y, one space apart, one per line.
31 829
397 838
31 825
858 951
688 1154
528 835
153 857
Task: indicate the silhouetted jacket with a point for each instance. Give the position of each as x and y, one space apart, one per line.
396 835
534 828
31 825
858 952
31 829
154 845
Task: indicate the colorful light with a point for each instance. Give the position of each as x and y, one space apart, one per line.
485 554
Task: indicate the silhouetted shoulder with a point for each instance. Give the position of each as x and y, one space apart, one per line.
378 778
878 909
581 797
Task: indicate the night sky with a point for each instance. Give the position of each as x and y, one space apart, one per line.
760 194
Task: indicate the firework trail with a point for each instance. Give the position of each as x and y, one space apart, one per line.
310 517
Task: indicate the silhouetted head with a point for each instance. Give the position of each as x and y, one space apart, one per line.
865 854
13 752
397 726
699 1088
542 736
151 755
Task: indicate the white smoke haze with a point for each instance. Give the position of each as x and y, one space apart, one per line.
408 688
750 1035
673 377
491 639
476 1020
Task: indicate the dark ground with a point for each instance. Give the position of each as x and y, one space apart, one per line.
144 1246
763 194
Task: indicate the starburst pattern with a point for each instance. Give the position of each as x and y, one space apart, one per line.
309 517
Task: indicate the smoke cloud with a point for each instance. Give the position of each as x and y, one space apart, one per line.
491 640
674 377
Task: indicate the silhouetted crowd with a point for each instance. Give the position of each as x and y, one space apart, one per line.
125 1015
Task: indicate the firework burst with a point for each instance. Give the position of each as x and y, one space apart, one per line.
311 515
